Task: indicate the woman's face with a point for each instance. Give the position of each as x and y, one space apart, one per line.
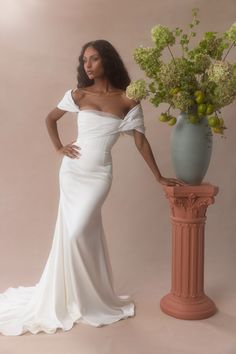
93 63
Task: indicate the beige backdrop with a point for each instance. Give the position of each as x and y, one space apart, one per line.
40 43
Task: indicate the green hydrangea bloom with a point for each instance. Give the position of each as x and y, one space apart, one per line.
224 95
183 101
162 37
223 75
220 71
178 72
137 90
148 60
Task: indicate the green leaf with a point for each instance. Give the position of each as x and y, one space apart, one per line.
152 87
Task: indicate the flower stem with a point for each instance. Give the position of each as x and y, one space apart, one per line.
232 44
171 53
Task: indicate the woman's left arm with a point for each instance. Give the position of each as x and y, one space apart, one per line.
145 150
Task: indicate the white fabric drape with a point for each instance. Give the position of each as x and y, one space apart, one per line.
77 282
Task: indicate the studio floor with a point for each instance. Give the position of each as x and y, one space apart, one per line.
149 332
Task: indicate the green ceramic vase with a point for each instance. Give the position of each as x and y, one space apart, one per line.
191 148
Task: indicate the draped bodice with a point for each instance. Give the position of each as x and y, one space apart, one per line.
94 123
98 130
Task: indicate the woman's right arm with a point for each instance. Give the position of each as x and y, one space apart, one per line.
69 150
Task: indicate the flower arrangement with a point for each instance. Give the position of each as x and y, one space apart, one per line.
199 82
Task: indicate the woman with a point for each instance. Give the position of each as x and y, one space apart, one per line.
77 282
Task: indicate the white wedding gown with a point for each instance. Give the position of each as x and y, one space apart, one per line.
77 283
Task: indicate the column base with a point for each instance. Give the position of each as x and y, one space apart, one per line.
188 308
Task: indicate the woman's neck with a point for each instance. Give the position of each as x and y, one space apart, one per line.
102 86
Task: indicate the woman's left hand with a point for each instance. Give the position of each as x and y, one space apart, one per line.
171 181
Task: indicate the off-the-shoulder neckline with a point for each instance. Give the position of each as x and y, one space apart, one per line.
95 110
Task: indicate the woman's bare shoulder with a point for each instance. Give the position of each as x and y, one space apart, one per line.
130 103
77 94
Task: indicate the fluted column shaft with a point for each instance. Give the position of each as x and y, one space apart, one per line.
187 299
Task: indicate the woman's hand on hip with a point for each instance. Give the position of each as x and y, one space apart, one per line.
70 150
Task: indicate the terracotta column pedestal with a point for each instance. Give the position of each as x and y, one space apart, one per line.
187 299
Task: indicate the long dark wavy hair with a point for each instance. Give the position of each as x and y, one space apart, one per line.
113 65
